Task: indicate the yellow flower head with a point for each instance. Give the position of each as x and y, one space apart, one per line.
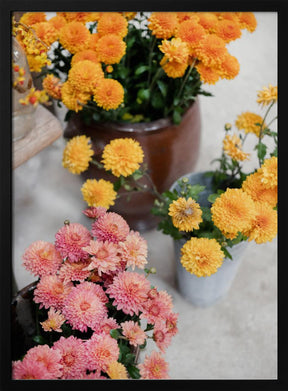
73 98
232 146
112 23
116 370
209 75
175 50
122 156
186 214
233 211
85 75
86 54
269 172
110 49
228 30
77 154
82 17
258 191
267 95
58 22
202 256
264 225
30 18
37 62
98 193
52 85
229 67
109 94
173 68
190 32
211 50
46 32
247 121
163 24
74 36
247 21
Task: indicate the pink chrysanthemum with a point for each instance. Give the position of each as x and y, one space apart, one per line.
51 292
111 227
104 256
161 336
84 307
73 359
157 308
70 239
54 321
94 212
101 350
50 358
129 289
74 271
171 323
154 367
92 376
133 332
29 370
134 250
41 258
106 325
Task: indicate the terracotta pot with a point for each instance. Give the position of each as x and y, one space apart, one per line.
170 151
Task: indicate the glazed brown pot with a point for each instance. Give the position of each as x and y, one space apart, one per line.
170 152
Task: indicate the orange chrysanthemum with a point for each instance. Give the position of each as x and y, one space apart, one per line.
73 98
87 54
248 122
116 370
109 94
82 17
129 15
182 16
58 22
110 49
190 32
112 23
173 68
228 16
211 50
52 85
98 193
267 95
94 38
175 50
233 211
229 67
201 256
209 75
186 214
247 20
46 32
74 36
77 154
208 20
258 191
232 146
228 30
269 172
163 24
30 18
85 75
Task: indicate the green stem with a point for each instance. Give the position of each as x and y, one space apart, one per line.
261 129
150 58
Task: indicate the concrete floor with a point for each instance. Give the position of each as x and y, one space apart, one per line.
237 337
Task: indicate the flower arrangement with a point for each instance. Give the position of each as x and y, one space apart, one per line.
94 312
133 67
242 206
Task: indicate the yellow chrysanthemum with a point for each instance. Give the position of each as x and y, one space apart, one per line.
37 62
228 30
116 370
110 49
190 32
186 214
112 23
211 50
202 256
173 68
163 24
52 85
129 15
269 172
247 121
85 75
73 98
77 154
98 193
74 36
87 54
247 20
264 226
258 191
233 211
109 94
175 50
229 67
122 156
232 146
267 95
30 18
209 75
46 32
208 20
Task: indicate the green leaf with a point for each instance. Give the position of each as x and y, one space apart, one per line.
119 183
137 174
141 69
206 213
162 87
143 94
226 252
212 197
261 151
157 101
133 371
177 117
114 333
39 339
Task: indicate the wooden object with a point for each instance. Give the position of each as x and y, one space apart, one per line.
46 130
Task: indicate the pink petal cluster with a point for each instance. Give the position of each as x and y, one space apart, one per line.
134 250
54 321
133 332
111 227
154 367
74 271
104 256
101 350
158 307
94 212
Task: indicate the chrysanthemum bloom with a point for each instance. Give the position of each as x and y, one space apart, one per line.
129 290
74 271
201 256
77 154
77 16
264 225
41 258
52 85
46 32
116 370
208 20
232 146
229 16
267 95
29 370
122 156
192 33
161 336
85 75
110 49
247 20
163 24
186 214
94 212
70 239
134 250
72 97
211 50
229 67
87 54
74 36
269 172
84 306
157 308
94 38
227 30
109 94
171 323
173 68
182 16
233 211
112 23
106 326
51 292
30 18
50 358
133 332
209 75
37 62
111 227
104 256
247 121
129 15
73 359
54 321
258 191
58 22
101 350
176 50
154 367
98 193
